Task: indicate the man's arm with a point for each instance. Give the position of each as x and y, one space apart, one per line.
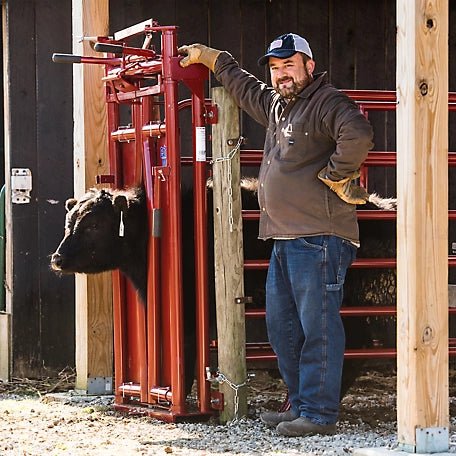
353 135
249 93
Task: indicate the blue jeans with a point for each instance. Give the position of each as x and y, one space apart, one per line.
304 291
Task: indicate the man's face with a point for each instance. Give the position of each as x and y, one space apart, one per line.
289 76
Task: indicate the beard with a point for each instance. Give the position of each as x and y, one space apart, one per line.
296 86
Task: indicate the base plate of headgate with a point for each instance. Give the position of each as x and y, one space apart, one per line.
162 414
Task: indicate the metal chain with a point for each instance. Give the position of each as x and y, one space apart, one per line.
229 157
220 378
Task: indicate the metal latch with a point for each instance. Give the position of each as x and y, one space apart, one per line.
21 185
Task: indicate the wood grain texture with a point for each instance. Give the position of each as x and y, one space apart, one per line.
5 334
229 257
94 345
422 219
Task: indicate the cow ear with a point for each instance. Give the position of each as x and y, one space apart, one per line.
120 201
70 203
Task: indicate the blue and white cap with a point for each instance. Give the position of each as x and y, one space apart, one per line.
285 46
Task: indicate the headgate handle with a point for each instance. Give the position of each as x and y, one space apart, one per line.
106 47
66 58
71 58
119 49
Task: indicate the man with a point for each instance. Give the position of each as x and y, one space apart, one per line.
316 140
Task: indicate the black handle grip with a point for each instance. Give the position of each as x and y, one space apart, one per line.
66 58
105 47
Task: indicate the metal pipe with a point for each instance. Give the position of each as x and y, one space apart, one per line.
263 353
157 393
201 254
376 158
358 263
70 58
137 113
140 314
153 130
173 224
152 185
383 311
120 331
118 282
363 214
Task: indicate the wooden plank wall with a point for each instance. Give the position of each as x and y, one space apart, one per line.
353 40
40 139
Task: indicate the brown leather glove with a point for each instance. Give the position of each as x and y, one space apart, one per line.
346 189
198 53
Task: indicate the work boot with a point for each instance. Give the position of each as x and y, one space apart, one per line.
301 427
274 418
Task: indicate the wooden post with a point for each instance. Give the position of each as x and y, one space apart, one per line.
5 346
422 222
229 256
94 346
5 317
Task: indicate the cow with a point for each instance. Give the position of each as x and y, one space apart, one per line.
105 231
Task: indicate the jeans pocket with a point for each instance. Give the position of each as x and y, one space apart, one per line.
340 255
312 242
347 256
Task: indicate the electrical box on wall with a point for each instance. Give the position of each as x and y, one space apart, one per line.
21 185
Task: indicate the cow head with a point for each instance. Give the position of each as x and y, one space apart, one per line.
94 233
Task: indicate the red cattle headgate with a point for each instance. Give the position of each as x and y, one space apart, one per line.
149 337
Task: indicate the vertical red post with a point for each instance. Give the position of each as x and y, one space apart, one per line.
173 277
120 332
119 307
200 229
140 117
153 197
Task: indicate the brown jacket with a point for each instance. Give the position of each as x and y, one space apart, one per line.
320 127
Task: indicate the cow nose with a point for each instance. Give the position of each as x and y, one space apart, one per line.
56 261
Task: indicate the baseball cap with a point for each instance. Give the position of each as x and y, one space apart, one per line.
285 46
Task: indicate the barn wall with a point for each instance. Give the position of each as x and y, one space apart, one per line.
41 303
353 40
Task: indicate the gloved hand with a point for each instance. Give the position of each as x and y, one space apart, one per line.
198 53
346 189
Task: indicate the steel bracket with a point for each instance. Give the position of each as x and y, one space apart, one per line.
99 385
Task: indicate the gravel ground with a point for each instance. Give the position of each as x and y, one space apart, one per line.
66 424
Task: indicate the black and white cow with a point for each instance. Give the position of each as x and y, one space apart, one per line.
105 231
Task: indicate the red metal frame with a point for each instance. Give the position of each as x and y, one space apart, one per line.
367 100
149 339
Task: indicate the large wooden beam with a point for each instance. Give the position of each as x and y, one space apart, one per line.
94 346
229 258
422 223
